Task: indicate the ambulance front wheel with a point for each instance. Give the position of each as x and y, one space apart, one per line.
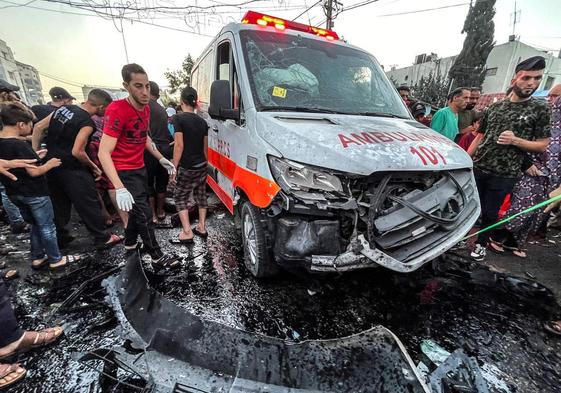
257 258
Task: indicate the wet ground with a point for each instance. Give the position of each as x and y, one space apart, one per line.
494 317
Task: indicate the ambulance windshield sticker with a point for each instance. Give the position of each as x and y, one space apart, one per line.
279 92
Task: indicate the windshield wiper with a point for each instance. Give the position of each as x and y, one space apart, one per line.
301 109
380 114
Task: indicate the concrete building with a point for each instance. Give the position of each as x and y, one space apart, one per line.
116 93
31 83
20 74
500 67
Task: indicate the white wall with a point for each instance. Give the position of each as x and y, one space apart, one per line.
503 57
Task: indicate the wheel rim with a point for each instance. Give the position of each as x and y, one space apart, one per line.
250 239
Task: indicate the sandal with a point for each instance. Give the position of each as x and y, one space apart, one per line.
496 246
553 327
11 373
35 339
10 274
68 260
181 242
37 264
113 241
204 235
166 261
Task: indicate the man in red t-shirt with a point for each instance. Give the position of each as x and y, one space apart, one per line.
121 153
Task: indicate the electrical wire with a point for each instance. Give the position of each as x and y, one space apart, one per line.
425 10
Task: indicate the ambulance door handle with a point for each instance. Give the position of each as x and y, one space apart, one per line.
215 128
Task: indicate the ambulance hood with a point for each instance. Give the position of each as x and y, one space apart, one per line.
359 144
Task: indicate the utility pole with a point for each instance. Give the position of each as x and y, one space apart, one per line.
329 14
515 18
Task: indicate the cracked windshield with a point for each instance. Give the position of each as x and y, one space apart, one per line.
288 72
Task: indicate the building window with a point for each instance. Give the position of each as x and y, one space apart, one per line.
491 71
548 83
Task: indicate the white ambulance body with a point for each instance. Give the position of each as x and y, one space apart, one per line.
315 152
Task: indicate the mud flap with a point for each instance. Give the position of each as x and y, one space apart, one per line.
184 350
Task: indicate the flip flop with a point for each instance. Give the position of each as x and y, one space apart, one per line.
204 235
112 242
553 327
71 260
7 372
181 242
496 246
35 339
43 262
166 261
7 276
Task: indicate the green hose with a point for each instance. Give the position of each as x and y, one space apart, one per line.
505 220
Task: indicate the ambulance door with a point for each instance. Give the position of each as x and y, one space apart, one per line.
226 137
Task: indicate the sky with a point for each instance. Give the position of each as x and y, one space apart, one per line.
83 49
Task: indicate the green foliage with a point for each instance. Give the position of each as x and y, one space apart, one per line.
181 78
432 89
469 68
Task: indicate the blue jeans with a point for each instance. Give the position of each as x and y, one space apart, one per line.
12 211
38 211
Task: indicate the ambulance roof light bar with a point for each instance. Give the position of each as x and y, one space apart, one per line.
256 18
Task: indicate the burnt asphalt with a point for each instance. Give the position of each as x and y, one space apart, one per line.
491 315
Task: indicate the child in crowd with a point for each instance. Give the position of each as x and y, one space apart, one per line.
29 192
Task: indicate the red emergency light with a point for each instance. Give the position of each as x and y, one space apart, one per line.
256 18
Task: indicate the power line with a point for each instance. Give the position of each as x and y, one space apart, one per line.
307 9
106 15
425 10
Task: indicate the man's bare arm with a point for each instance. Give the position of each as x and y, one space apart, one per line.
79 150
106 147
39 130
151 147
537 146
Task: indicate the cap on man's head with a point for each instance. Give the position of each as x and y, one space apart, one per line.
6 86
154 89
534 63
404 88
59 93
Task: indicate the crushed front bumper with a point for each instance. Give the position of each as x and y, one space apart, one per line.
405 240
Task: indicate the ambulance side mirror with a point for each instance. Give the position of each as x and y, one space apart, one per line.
221 102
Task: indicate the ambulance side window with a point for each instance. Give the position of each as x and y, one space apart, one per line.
226 70
202 78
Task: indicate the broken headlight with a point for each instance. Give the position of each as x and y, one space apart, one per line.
293 177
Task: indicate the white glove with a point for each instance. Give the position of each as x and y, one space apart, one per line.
168 165
124 199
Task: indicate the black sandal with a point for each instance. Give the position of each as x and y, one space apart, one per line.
181 242
166 261
204 235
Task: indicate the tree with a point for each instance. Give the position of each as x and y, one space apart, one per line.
181 78
469 68
432 89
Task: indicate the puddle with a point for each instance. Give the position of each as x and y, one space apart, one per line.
496 322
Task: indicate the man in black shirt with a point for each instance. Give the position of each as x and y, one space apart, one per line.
59 96
190 157
156 173
70 127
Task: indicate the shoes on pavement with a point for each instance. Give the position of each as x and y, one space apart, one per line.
479 253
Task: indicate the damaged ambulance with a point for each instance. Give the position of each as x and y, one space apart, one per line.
315 153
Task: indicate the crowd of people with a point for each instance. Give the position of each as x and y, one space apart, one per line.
60 156
114 160
516 152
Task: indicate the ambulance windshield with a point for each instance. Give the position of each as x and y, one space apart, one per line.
288 72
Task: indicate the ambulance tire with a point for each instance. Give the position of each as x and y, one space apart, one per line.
257 258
